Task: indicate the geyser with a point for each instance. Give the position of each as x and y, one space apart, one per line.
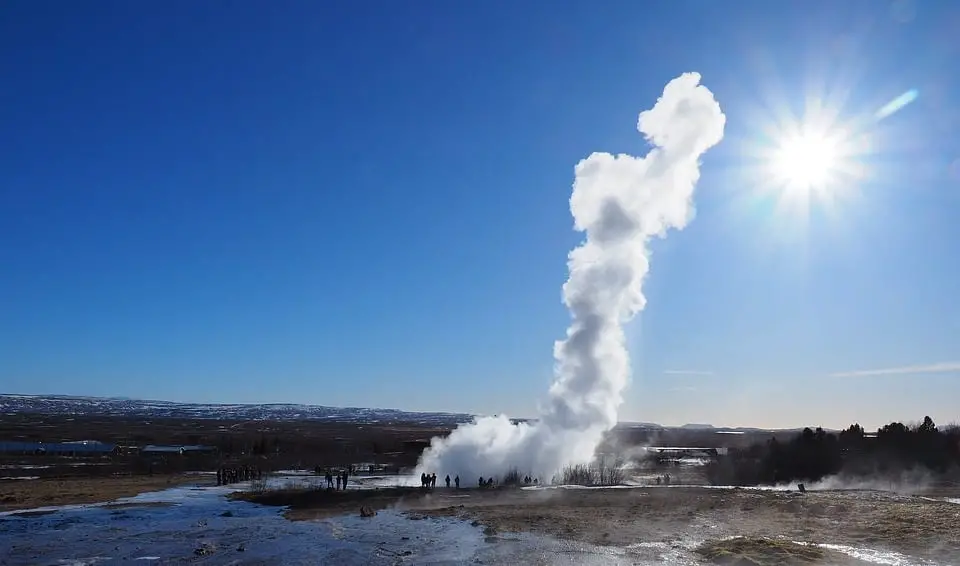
619 202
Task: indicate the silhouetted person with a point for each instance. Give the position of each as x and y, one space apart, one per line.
339 479
219 477
433 480
329 479
480 482
447 480
456 481
423 480
345 476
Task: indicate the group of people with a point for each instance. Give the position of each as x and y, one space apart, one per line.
227 475
341 478
664 479
429 481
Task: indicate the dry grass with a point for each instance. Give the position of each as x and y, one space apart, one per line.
71 491
743 551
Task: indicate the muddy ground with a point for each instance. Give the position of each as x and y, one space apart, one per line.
927 528
71 491
913 526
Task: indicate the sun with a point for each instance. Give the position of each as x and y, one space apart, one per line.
811 161
806 161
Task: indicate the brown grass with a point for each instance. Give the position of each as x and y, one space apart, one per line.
71 491
743 551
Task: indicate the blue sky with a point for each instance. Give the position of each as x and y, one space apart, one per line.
308 202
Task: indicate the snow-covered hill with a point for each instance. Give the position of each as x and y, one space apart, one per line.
66 405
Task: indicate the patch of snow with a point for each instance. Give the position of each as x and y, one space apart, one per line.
874 556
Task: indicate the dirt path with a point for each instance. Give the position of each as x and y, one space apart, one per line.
29 494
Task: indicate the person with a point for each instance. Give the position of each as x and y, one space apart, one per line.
339 478
423 480
480 482
433 480
345 476
456 481
447 480
329 479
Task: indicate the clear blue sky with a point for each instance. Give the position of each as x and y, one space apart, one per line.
367 204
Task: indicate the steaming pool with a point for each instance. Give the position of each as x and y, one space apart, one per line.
200 525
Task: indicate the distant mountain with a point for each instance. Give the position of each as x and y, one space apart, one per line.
121 406
73 406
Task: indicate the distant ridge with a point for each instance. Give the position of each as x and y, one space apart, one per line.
116 406
71 405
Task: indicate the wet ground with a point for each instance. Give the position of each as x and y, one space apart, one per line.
201 525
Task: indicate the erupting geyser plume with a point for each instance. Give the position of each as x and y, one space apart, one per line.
620 202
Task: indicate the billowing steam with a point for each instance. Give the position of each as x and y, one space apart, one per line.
620 202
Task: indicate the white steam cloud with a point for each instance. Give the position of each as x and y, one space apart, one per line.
620 202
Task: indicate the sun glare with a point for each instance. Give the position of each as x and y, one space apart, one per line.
810 161
806 161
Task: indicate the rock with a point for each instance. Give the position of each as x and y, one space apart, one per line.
205 549
367 512
227 514
404 538
241 548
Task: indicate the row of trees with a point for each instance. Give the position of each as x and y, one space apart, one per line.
815 454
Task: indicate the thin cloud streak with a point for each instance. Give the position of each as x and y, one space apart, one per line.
688 372
943 367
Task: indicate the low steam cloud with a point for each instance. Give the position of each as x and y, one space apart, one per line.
620 202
